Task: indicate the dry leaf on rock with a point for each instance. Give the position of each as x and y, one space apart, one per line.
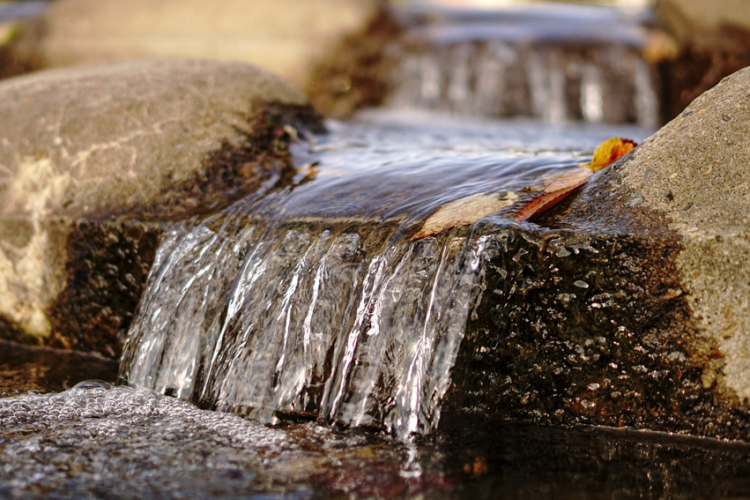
464 211
551 198
609 152
560 186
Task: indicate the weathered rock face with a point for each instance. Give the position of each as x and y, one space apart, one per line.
633 309
693 173
93 159
281 36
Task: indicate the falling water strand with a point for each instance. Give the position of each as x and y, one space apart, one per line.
286 301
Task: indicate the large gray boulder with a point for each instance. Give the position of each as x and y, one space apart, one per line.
633 307
92 158
693 175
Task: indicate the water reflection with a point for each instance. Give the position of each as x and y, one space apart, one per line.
134 443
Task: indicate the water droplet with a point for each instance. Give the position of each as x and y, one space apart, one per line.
636 199
93 384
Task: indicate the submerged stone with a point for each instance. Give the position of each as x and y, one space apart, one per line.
94 158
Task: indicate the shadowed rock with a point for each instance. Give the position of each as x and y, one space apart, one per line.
92 159
712 38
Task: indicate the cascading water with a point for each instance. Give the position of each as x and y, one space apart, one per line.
313 300
556 63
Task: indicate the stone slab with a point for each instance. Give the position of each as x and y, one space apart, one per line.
659 336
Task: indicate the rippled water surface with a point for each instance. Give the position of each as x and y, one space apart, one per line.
95 441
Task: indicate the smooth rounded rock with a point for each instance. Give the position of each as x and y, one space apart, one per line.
694 172
82 150
660 338
282 36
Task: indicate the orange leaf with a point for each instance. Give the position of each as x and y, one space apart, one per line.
561 186
610 151
546 201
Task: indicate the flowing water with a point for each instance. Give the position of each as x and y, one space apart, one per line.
98 441
558 63
314 300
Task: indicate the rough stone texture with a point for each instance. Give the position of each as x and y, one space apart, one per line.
92 159
694 173
634 307
281 36
578 328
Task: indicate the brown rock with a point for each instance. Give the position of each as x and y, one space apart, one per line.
713 39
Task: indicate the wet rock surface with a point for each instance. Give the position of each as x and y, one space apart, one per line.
625 306
656 335
120 443
95 158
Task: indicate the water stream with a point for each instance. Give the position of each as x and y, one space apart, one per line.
558 63
314 301
313 308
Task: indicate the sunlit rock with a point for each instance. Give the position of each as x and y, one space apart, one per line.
624 306
87 156
280 36
661 330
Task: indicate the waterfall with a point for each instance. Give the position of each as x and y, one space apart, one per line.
313 300
556 63
264 320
